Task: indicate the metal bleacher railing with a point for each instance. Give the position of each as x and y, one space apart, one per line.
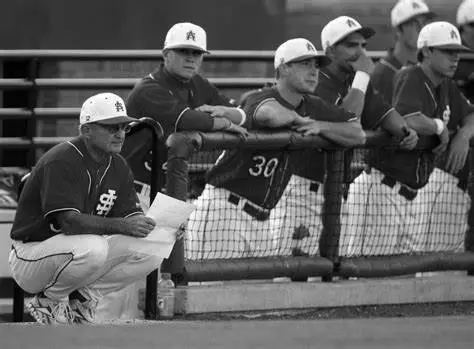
178 170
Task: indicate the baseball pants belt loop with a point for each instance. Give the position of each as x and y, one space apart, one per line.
258 213
407 193
314 187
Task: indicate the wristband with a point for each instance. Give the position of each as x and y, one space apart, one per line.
361 81
439 126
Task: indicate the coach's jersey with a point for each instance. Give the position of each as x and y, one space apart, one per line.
67 178
332 91
164 98
414 92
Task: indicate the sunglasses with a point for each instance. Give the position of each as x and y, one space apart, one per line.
114 129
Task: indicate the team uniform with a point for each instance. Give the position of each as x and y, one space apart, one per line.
303 197
43 258
165 98
412 220
232 215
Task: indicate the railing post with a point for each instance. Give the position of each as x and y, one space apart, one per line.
33 72
180 148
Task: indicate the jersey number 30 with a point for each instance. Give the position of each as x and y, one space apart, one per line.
262 166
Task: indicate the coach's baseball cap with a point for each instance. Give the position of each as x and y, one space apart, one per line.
106 108
442 35
341 27
298 49
465 13
186 35
404 10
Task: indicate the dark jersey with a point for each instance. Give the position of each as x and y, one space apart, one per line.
166 99
332 90
67 178
414 92
262 175
383 74
465 78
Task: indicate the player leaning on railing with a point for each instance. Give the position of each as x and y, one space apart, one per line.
344 41
178 98
232 218
399 216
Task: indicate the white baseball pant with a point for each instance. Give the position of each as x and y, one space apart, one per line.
380 221
221 227
297 217
64 263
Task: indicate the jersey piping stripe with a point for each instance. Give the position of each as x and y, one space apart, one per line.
61 209
432 96
244 116
384 116
179 118
387 64
105 172
76 148
58 273
133 214
259 105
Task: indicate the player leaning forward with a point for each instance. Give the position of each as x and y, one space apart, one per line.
411 219
232 215
77 228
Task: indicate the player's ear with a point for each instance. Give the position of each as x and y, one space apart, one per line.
85 130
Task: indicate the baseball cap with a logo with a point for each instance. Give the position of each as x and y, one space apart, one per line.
186 35
298 49
442 35
341 27
106 108
404 10
465 14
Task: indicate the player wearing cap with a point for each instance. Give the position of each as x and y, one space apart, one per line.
343 40
421 220
465 21
407 18
232 215
179 98
76 229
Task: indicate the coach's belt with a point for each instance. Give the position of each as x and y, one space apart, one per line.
406 192
259 214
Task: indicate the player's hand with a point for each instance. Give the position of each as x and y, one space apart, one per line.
139 225
421 123
410 140
457 153
363 63
238 130
443 142
301 121
312 128
214 110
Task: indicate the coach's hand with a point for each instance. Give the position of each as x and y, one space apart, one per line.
457 153
308 129
215 110
410 140
139 225
443 142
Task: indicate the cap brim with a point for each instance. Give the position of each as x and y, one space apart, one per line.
192 47
117 120
321 59
454 47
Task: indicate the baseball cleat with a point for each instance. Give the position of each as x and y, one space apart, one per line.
84 303
48 312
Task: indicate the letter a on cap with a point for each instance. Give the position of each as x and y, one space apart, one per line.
350 23
454 35
190 36
415 5
310 47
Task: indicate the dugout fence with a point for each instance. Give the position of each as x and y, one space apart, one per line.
438 237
